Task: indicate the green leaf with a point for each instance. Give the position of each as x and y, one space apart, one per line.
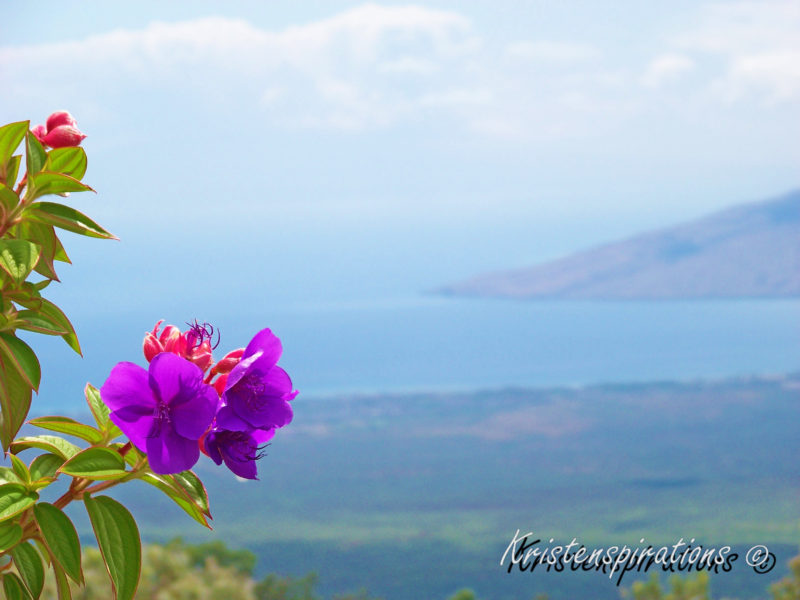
15 401
35 154
14 588
61 538
191 484
31 320
100 412
96 464
18 257
62 583
61 254
70 427
45 183
55 314
12 170
22 358
69 161
8 475
177 495
20 469
10 137
8 198
49 443
10 534
119 541
44 236
14 498
30 567
45 466
58 215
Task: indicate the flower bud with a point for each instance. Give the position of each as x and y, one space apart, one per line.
219 384
59 118
172 339
39 132
63 136
230 360
151 346
200 355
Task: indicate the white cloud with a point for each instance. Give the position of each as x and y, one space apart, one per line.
759 44
550 51
666 68
375 67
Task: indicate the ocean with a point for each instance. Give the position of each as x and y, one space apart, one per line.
416 343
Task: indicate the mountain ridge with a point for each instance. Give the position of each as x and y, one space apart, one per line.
746 251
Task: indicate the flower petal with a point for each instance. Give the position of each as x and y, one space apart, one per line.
259 410
229 420
127 385
277 382
174 378
262 436
136 422
268 343
240 370
212 447
243 468
193 417
171 453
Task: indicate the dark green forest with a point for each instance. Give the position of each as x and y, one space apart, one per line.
417 496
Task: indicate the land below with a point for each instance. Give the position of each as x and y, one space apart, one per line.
416 496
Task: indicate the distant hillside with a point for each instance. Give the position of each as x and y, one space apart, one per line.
751 250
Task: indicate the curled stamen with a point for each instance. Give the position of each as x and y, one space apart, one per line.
202 332
258 452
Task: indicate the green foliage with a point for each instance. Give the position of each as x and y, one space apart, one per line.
465 594
118 537
28 248
38 537
60 538
243 561
788 588
275 587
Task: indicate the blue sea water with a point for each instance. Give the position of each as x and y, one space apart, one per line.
434 343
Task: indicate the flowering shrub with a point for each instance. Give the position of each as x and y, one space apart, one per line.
182 405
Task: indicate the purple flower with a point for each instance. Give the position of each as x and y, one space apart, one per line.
163 411
257 390
240 446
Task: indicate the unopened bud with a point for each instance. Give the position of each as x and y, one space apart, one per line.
172 339
200 355
59 118
63 136
219 384
151 346
230 360
39 132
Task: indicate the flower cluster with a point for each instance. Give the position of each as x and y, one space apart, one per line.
60 131
184 403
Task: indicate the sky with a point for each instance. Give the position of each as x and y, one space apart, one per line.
345 150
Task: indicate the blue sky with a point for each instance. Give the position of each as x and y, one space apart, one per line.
343 149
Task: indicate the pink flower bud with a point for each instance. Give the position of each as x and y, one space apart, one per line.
200 355
219 384
39 132
151 346
59 118
230 360
63 136
172 339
